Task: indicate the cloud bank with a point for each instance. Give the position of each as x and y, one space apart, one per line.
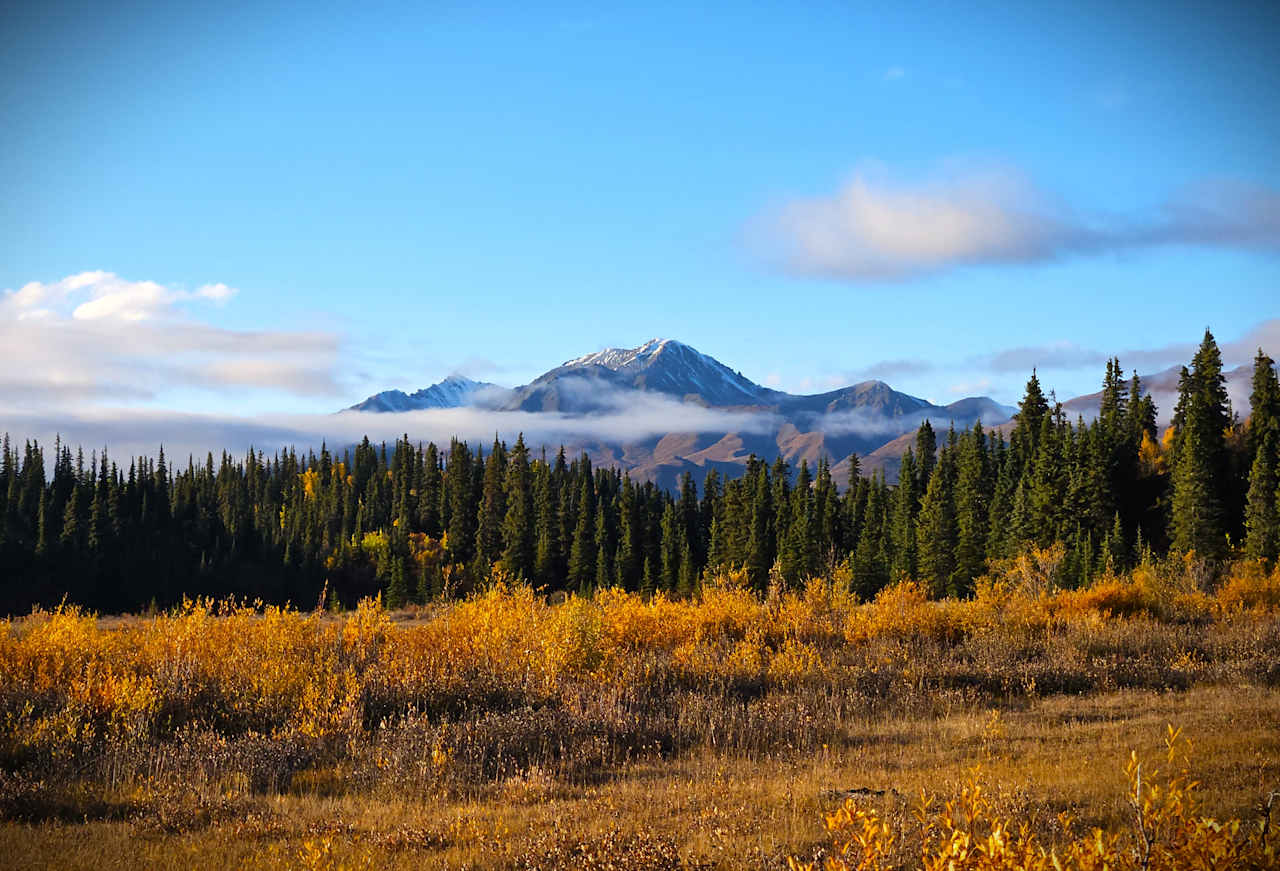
874 229
131 431
95 337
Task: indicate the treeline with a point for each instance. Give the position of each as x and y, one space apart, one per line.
415 523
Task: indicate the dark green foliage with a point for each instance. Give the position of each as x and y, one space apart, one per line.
902 523
1201 466
762 542
398 587
1262 513
926 455
493 506
1262 518
461 508
518 524
582 555
936 527
1264 402
972 509
1032 411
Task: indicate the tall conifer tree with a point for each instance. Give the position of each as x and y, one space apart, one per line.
1201 464
518 525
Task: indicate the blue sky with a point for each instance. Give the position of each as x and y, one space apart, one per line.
286 207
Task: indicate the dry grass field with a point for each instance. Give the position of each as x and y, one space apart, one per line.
728 731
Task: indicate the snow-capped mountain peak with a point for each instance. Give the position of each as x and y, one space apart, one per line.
675 368
454 391
623 359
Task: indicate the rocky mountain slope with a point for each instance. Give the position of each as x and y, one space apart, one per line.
861 418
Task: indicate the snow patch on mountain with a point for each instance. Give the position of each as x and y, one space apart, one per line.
456 391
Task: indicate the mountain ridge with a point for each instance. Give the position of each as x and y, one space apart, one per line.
857 418
454 391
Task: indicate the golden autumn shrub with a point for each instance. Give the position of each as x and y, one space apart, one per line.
1250 587
1168 834
250 695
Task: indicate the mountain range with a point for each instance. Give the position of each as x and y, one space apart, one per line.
663 377
859 418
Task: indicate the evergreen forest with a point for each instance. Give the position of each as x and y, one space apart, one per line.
414 523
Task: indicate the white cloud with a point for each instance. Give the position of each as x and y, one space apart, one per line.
970 388
894 73
216 292
96 337
131 431
877 229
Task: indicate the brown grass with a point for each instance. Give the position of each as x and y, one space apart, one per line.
613 732
1057 754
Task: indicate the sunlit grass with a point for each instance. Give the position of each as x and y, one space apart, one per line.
503 730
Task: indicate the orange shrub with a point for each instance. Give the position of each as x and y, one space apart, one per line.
1168 834
1249 587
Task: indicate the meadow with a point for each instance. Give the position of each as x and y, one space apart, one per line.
801 728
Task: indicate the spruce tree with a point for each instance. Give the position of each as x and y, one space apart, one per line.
972 509
1142 412
1032 411
1117 552
605 574
855 470
1264 402
711 507
870 558
629 558
493 508
689 515
1007 473
687 581
673 540
1048 481
828 541
926 455
1197 523
462 510
794 556
1262 517
1201 463
547 547
760 545
1114 403
936 530
398 586
429 493
518 524
1021 527
902 524
582 555
42 530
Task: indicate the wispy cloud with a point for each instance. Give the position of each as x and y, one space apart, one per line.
894 73
95 337
1056 355
877 229
906 367
1069 355
970 388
